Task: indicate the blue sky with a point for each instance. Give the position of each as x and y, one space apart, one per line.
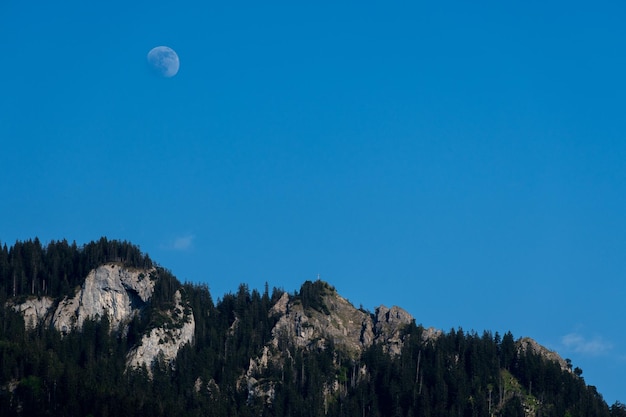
463 161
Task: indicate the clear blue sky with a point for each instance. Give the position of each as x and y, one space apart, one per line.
463 160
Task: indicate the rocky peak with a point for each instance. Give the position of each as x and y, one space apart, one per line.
319 315
525 344
118 293
388 326
331 319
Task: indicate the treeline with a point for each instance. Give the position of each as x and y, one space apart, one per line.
467 374
84 373
457 374
30 268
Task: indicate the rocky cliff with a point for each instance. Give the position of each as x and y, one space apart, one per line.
120 294
34 310
332 320
339 322
163 342
314 323
111 290
105 338
528 344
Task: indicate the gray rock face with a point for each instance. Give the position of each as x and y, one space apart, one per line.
109 290
336 321
34 310
165 342
388 327
345 325
118 293
527 344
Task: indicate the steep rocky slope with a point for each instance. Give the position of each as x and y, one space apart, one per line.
328 320
102 330
165 341
120 294
110 290
528 344
336 320
309 322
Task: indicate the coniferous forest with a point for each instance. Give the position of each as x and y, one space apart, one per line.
84 373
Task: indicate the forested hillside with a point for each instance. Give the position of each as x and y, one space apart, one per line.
81 373
30 268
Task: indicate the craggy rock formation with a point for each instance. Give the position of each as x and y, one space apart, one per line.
313 320
110 290
120 294
332 319
388 326
164 342
34 310
526 343
340 322
345 325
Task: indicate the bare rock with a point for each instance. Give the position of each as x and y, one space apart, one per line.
431 334
525 344
164 342
109 290
339 322
34 310
389 325
281 306
308 328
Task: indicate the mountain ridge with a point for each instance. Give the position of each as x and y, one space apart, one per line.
156 342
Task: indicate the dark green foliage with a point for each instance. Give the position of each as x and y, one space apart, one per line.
513 408
459 374
84 373
618 410
28 268
311 295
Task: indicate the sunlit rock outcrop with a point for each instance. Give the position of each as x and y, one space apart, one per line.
34 310
389 323
164 342
526 344
119 294
336 320
109 290
323 319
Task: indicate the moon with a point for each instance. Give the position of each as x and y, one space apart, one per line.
164 61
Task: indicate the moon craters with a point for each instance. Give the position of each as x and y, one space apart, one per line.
164 61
